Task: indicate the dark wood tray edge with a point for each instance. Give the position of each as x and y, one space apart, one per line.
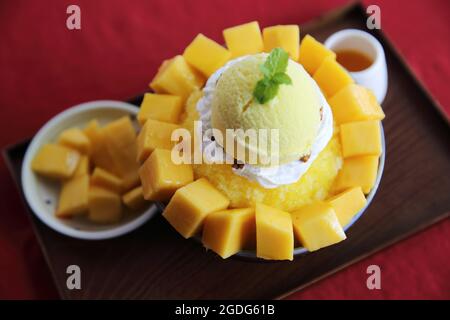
30 215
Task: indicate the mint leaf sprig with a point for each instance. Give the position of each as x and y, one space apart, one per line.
274 71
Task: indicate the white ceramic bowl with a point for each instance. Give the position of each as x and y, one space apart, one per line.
374 77
42 194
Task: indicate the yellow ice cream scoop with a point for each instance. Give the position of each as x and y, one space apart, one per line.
294 111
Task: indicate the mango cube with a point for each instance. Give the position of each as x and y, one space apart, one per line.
357 172
130 180
104 179
332 77
160 177
355 103
347 204
244 39
229 231
76 139
73 199
55 161
360 138
285 36
190 205
154 134
313 53
206 55
83 166
104 206
274 235
120 139
177 77
316 226
134 199
100 155
161 107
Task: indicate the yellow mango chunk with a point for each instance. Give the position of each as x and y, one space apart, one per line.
283 36
347 204
361 138
229 231
73 198
316 226
244 39
190 205
100 155
274 236
120 139
357 172
83 166
55 161
206 55
355 103
161 107
104 179
134 199
130 181
104 206
177 77
332 77
76 139
160 177
313 53
154 134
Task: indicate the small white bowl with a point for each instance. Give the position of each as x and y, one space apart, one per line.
374 77
42 194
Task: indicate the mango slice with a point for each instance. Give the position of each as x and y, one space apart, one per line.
316 226
76 139
190 205
177 77
100 154
104 206
82 167
274 236
244 39
361 138
154 134
160 177
73 199
355 103
120 139
206 55
313 53
357 172
282 36
229 231
107 180
347 204
55 161
161 107
332 77
134 199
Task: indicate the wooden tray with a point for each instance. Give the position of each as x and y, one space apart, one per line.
154 262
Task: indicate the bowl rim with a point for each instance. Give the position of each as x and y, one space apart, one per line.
51 220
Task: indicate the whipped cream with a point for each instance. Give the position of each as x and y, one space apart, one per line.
267 177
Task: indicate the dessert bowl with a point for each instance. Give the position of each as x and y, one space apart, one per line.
42 193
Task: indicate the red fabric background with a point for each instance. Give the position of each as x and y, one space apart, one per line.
45 68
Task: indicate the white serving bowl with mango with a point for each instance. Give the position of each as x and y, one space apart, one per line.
80 175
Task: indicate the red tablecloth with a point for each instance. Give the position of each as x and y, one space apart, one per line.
45 68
